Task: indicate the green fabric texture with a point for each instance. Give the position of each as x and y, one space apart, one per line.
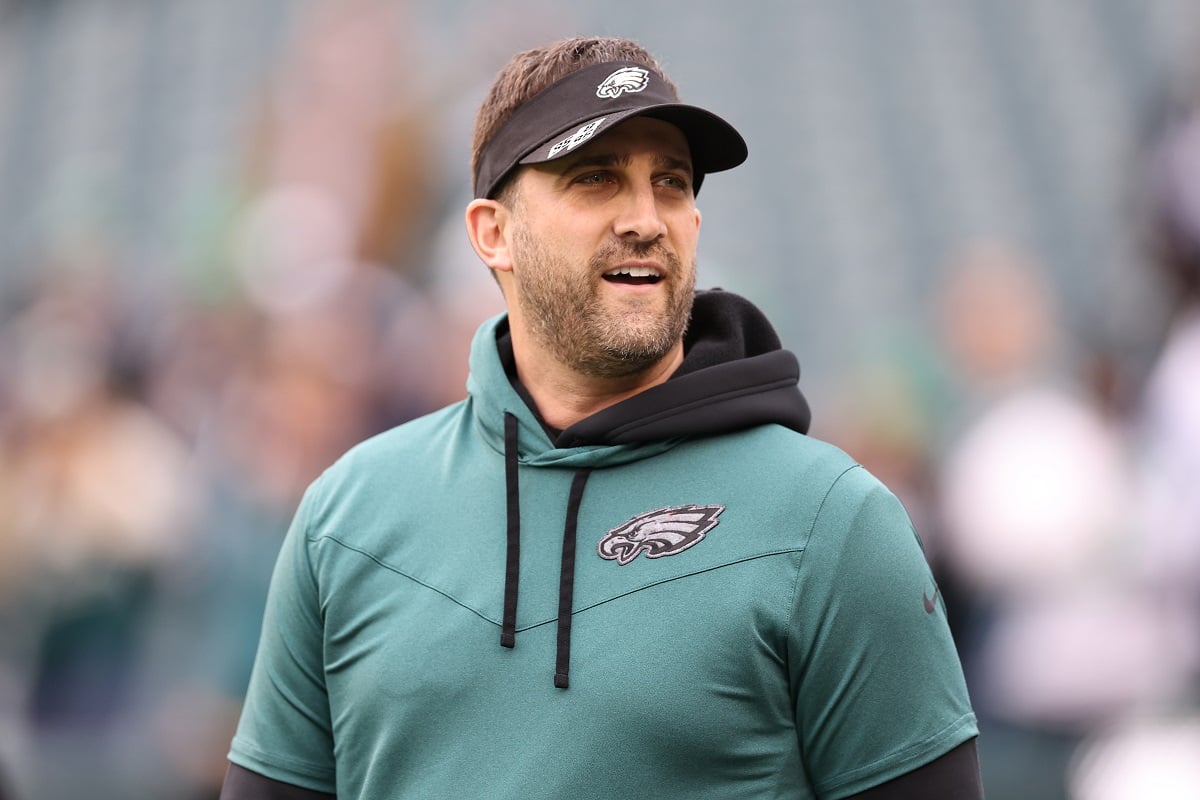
788 654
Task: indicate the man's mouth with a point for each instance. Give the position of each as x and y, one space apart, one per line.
633 276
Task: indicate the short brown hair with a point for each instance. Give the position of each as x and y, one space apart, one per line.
531 71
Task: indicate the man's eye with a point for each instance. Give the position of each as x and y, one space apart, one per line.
674 182
592 178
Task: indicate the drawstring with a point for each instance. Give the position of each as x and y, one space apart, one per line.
512 567
566 581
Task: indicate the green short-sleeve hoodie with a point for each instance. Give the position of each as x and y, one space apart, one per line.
735 609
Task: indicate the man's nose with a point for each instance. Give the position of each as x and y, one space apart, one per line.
639 219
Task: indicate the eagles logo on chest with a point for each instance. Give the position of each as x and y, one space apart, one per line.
662 532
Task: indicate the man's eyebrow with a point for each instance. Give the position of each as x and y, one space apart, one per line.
585 160
664 161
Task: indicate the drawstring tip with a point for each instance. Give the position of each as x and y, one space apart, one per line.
508 639
560 680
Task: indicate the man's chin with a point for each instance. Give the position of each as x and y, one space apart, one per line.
637 350
620 363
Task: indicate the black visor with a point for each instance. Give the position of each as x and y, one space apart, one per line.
584 104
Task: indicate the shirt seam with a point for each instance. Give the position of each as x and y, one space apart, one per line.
529 625
791 618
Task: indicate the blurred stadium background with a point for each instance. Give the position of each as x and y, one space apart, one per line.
231 245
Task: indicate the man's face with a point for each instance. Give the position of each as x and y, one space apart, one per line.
603 247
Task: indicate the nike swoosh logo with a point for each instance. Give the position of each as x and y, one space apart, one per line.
931 602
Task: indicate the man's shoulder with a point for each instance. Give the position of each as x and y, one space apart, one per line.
412 433
787 462
791 453
391 465
401 447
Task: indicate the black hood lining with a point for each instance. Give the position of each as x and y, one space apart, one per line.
754 391
735 375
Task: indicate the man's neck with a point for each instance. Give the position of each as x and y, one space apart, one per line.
564 396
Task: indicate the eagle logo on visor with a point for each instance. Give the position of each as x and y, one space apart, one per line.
626 79
658 533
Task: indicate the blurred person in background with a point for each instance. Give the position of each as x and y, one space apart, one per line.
1168 423
1152 750
797 650
1063 634
96 496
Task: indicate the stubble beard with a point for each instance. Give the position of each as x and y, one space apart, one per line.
565 313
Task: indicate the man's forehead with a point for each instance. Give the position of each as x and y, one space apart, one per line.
637 135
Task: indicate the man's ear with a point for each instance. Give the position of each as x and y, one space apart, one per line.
487 227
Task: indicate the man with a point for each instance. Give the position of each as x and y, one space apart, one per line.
619 568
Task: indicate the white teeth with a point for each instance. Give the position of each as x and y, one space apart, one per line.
635 272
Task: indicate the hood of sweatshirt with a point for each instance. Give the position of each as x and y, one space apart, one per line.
735 375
